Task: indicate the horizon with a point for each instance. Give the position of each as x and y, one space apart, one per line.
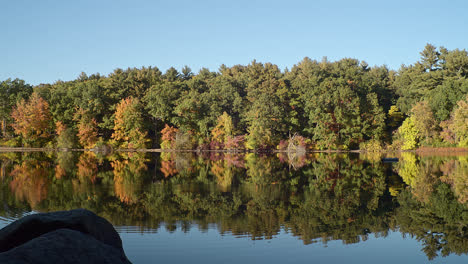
163 71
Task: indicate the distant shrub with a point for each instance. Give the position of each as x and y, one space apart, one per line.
236 142
183 141
372 145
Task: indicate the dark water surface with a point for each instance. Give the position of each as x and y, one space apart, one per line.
236 208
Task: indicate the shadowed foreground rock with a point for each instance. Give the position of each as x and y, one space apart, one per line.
76 236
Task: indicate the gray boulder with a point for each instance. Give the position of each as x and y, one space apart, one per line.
76 236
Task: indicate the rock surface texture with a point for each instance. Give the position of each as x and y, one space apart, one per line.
76 236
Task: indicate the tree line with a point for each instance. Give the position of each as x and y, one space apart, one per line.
344 105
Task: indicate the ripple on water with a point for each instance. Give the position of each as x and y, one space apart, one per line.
10 217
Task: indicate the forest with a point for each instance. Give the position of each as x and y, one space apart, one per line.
315 105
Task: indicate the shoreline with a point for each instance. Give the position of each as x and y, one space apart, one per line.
420 150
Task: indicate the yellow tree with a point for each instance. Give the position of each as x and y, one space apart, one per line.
459 124
128 124
224 173
424 120
223 130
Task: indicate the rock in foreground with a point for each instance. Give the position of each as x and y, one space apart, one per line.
76 236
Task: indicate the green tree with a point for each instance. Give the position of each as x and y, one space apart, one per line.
430 57
340 101
439 78
373 118
225 94
266 118
454 62
160 100
11 92
192 112
335 117
445 96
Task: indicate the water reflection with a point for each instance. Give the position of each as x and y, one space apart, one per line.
315 197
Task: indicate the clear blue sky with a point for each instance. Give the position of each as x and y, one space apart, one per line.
44 41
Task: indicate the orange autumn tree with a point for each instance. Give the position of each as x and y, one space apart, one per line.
87 128
30 181
60 128
32 120
86 170
168 137
87 167
168 164
128 124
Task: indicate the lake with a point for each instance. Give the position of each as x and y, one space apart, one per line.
250 208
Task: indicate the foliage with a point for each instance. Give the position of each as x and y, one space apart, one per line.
223 130
342 105
128 124
11 92
423 119
30 181
339 102
87 128
409 134
183 140
32 119
236 142
446 133
459 123
127 177
372 145
259 137
65 136
395 117
168 137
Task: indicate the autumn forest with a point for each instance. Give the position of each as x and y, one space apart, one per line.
315 105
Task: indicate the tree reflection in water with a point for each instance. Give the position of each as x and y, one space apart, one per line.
316 197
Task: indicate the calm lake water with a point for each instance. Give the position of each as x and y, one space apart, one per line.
236 208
